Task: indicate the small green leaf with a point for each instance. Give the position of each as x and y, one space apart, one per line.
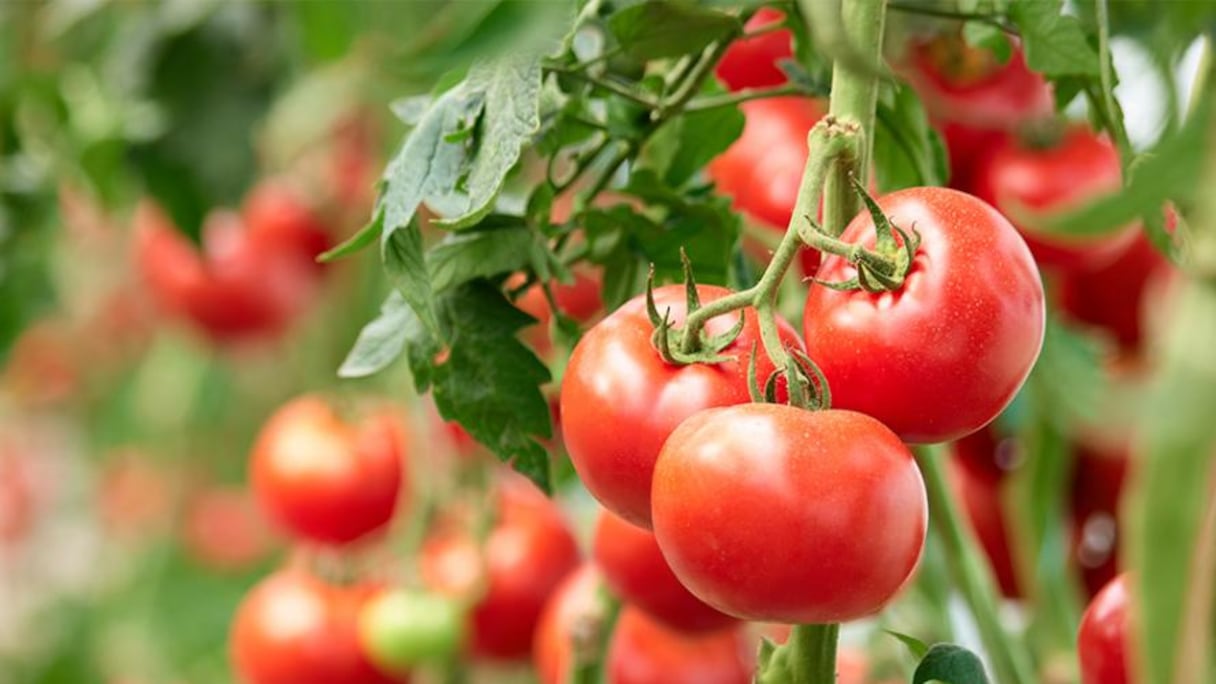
381 341
406 267
1067 383
668 28
702 136
950 664
409 110
1055 42
366 236
907 151
915 646
462 257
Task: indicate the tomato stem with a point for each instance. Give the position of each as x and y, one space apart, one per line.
807 657
971 572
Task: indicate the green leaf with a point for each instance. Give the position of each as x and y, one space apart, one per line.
462 257
510 89
366 236
1068 381
984 35
668 28
917 647
950 664
406 267
907 151
701 137
703 224
381 341
1055 43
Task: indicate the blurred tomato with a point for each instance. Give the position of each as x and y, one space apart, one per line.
42 367
977 469
223 529
525 555
753 62
18 505
135 495
579 300
1102 640
279 219
1096 489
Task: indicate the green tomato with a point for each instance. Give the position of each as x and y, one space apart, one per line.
400 629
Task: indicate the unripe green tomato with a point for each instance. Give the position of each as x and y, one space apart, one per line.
400 629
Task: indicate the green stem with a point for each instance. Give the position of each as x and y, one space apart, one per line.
854 99
1110 106
808 657
616 88
692 82
731 99
971 572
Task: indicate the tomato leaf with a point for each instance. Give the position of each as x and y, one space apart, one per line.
1068 380
907 151
666 28
696 138
1055 42
381 341
917 647
950 664
699 222
462 257
405 264
355 243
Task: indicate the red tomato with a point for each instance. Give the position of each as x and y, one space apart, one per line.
1096 490
978 487
1081 167
753 62
18 500
620 400
774 513
640 651
579 300
762 170
224 530
527 553
635 569
280 219
324 479
294 629
944 354
973 99
234 289
1102 641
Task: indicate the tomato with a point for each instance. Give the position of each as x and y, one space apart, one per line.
762 170
640 651
1102 641
42 368
223 529
324 479
1097 485
973 99
753 62
620 400
18 499
1113 298
234 289
280 219
634 568
527 553
976 482
134 497
295 629
1080 167
944 354
400 629
579 300
774 513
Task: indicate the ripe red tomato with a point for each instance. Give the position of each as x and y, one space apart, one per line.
325 479
774 513
280 219
1097 486
620 400
1102 641
234 289
1080 167
944 354
974 100
752 62
641 651
634 568
976 483
527 553
579 300
762 170
223 529
295 629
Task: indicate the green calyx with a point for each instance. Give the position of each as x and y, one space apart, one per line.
691 344
882 269
805 382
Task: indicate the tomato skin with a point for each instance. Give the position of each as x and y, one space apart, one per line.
324 479
580 300
826 520
943 355
762 170
295 629
279 219
1082 166
634 568
1102 640
752 62
527 554
620 400
641 650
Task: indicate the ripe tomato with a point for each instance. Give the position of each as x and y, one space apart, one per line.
280 219
774 513
295 629
1102 641
223 529
634 568
527 553
234 289
976 480
620 400
1097 485
941 356
974 100
1080 167
579 300
641 651
752 62
325 479
762 170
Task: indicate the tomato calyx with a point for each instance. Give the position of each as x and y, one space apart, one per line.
882 269
694 345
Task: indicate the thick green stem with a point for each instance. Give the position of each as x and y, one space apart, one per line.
1010 662
808 657
1112 113
854 97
